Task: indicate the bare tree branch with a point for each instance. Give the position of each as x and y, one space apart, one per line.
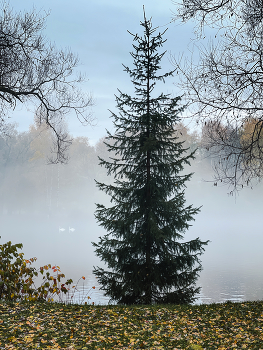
34 71
224 89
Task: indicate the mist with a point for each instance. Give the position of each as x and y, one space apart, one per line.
40 203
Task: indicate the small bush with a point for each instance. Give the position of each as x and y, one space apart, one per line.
17 277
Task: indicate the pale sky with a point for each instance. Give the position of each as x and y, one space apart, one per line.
96 30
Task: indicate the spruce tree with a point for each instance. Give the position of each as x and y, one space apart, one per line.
143 247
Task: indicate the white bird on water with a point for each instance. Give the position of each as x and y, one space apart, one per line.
61 229
71 229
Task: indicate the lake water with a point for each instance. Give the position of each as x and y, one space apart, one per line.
217 286
232 262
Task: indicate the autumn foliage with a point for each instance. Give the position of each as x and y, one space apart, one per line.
252 135
17 277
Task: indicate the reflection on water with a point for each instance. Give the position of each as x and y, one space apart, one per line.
217 287
230 284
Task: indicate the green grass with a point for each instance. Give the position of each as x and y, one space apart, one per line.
36 325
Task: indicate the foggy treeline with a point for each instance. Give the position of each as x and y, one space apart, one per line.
31 186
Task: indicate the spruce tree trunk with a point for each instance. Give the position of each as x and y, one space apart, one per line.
148 294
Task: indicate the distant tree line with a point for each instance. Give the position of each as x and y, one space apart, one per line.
29 184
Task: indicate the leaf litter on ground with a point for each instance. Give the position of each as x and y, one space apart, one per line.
42 325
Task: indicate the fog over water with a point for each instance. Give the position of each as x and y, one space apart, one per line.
37 199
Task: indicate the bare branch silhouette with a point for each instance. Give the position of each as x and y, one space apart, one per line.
34 71
224 89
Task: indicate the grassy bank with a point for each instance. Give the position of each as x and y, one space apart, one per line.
34 325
